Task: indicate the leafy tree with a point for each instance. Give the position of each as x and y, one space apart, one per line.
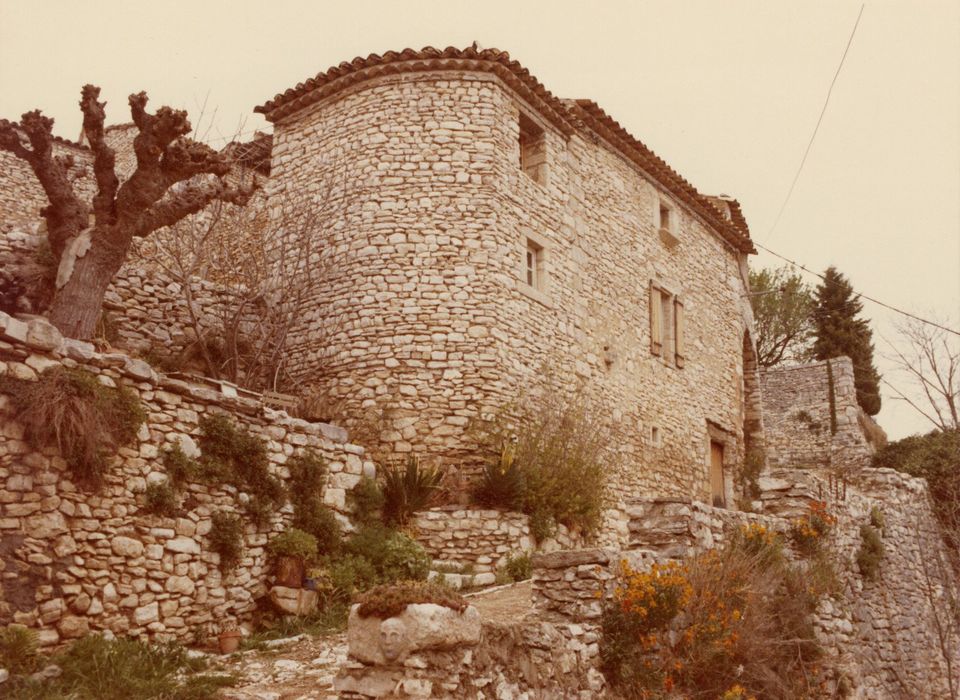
935 457
783 315
838 332
175 177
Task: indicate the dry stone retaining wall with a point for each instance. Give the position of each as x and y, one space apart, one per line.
481 539
810 426
145 309
75 561
888 638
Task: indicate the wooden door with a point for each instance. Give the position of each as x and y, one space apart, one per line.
717 489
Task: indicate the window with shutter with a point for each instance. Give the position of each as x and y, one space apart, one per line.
678 341
656 321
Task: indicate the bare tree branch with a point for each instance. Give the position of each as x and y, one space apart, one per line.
931 359
104 158
190 200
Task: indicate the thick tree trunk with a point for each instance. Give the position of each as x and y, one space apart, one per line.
77 304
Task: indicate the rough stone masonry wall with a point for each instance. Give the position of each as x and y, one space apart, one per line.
889 638
22 197
425 317
809 426
481 539
526 658
147 310
74 561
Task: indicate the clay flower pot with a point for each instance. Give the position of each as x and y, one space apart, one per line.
229 641
289 571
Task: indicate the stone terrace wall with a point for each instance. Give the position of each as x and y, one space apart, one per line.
74 561
146 308
799 411
482 539
883 636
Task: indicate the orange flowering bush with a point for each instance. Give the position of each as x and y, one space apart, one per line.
757 539
809 531
652 599
727 624
737 692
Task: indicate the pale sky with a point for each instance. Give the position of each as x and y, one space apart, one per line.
727 93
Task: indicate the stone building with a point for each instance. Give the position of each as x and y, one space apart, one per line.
480 232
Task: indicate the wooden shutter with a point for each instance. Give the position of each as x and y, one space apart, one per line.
678 327
656 322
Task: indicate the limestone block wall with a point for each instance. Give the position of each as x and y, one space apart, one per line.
22 197
808 424
481 539
426 320
75 561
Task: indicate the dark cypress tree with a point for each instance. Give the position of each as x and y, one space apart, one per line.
838 332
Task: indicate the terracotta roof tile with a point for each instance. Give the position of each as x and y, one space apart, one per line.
569 116
734 230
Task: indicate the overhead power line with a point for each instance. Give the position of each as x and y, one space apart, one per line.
864 296
813 136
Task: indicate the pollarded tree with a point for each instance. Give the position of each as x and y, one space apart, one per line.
90 240
838 332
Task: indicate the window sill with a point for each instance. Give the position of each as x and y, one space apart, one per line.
535 294
668 239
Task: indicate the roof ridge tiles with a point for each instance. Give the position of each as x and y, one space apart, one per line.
569 116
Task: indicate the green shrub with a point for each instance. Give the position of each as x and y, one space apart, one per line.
403 559
393 554
71 410
351 574
519 567
161 499
376 555
241 459
871 552
367 500
876 518
320 522
294 543
501 484
18 649
392 599
226 538
95 668
542 525
934 457
562 453
407 490
308 474
180 468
